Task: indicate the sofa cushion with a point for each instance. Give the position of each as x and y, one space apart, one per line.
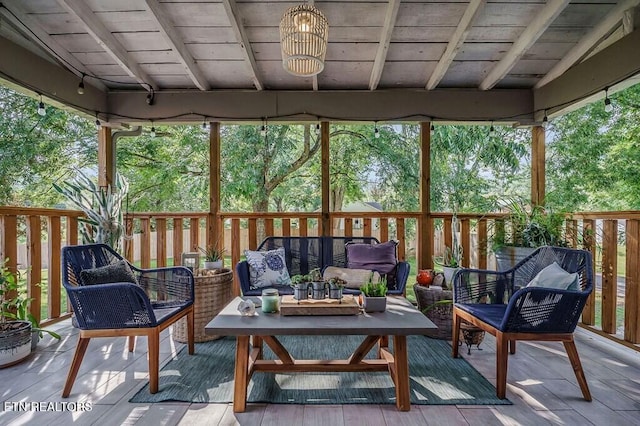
267 268
553 276
375 257
118 272
355 278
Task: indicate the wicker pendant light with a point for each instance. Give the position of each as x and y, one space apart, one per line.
303 40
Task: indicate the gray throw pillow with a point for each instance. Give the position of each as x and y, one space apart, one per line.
553 276
119 272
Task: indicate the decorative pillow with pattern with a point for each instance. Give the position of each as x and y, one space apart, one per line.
267 268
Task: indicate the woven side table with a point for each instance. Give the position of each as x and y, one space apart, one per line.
440 314
212 293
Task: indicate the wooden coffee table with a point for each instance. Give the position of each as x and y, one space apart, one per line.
399 320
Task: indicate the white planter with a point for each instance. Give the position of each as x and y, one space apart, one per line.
507 257
213 265
15 345
448 275
374 304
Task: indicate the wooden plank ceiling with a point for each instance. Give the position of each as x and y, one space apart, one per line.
373 44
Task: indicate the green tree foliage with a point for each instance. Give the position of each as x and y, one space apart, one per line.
593 157
169 172
471 168
36 151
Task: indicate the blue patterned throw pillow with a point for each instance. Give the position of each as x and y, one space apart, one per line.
267 268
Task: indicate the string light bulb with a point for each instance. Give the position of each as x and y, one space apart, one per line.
376 132
318 129
545 120
41 110
98 124
153 131
608 107
492 130
432 127
263 130
81 85
204 123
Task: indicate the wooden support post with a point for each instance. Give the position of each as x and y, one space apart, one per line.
34 260
106 162
425 231
235 253
589 311
145 243
609 275
465 241
55 270
214 231
537 165
325 221
632 283
178 241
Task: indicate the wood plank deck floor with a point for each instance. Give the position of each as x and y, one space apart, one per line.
541 386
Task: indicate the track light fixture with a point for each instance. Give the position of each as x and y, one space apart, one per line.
608 107
41 110
151 97
81 85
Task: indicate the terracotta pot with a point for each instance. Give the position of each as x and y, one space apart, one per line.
425 277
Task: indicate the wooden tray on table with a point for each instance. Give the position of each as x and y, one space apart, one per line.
290 306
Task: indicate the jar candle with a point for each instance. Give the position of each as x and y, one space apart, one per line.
270 300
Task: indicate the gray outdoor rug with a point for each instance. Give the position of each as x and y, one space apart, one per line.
436 378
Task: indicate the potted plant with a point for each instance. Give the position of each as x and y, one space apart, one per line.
102 207
374 295
450 262
300 284
336 285
15 334
212 256
525 228
317 284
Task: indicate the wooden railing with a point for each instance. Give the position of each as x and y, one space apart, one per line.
38 234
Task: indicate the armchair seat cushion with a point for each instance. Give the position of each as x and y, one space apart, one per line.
492 314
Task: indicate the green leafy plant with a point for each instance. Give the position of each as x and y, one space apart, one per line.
212 253
16 308
371 289
451 258
102 207
529 225
336 282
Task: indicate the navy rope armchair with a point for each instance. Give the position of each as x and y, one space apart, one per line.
501 304
159 298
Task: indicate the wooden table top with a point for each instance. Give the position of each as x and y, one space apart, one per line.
400 318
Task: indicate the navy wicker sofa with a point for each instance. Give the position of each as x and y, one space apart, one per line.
304 254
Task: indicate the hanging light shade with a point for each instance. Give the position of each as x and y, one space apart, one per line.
303 40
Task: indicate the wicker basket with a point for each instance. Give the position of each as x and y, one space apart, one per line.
441 314
212 293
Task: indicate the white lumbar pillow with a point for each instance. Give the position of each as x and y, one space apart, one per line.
553 276
355 278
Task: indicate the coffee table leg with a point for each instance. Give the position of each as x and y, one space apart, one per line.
403 400
241 374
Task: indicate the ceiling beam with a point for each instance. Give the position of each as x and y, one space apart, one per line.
107 41
528 37
599 32
590 77
498 105
383 46
456 41
34 75
13 12
172 37
241 35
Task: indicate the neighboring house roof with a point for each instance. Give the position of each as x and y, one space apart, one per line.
363 206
